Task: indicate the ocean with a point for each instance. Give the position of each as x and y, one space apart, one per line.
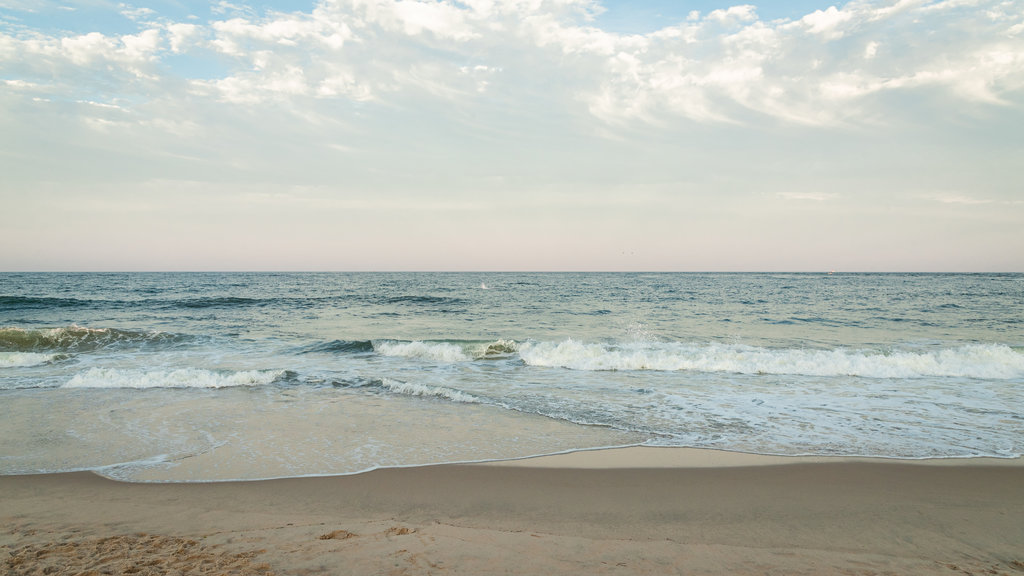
187 377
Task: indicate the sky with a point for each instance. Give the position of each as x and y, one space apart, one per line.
872 135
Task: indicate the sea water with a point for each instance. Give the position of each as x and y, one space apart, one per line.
219 376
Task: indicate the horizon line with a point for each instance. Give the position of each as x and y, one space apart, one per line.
498 271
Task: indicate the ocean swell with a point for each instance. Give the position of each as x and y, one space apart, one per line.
76 338
970 361
446 351
179 378
412 389
23 359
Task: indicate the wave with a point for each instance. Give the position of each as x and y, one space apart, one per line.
446 351
410 389
21 359
424 300
498 348
340 346
10 303
180 378
220 302
77 338
13 303
994 361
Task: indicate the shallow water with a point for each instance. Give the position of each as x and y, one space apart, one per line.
220 376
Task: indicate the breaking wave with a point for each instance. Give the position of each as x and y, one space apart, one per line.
433 351
78 338
341 346
410 389
180 378
20 359
969 361
446 351
498 348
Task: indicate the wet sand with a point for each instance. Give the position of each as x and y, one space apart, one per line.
632 511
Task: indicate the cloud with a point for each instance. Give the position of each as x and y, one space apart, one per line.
957 198
525 116
828 22
728 66
734 14
415 17
182 36
870 50
812 70
133 13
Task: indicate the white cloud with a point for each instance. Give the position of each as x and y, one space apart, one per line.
223 7
734 14
871 50
183 36
958 198
21 85
723 67
827 22
777 69
439 18
141 47
133 13
83 50
531 107
38 54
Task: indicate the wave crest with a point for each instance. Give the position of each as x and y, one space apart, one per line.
446 352
341 347
76 338
21 359
180 378
500 348
411 389
969 361
39 302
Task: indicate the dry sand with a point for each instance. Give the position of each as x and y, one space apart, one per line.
666 512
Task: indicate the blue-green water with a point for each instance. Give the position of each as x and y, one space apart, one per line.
197 376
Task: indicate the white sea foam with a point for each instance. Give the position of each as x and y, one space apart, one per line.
180 378
970 361
433 351
446 352
411 389
19 359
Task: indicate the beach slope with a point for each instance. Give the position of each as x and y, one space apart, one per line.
540 517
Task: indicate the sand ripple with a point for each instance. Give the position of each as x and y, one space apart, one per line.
136 554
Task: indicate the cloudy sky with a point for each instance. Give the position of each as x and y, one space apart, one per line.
512 135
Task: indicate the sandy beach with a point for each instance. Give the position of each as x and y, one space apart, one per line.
631 511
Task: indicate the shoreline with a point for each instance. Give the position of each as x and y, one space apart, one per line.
636 510
645 457
611 457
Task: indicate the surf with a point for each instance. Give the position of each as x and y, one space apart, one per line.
996 361
175 378
75 338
